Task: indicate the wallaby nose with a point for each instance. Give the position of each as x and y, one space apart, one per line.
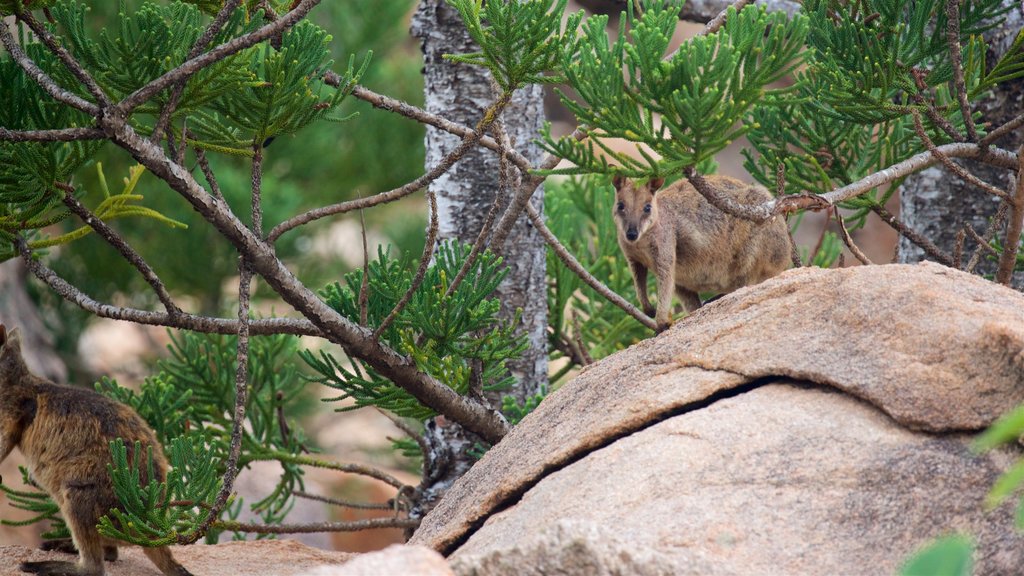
631 233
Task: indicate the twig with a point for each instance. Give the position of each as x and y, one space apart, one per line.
73 66
849 241
1003 130
193 65
578 339
1008 260
61 135
179 88
342 503
242 359
953 166
126 251
211 179
821 238
407 429
956 59
42 78
958 247
446 163
570 262
719 21
355 526
929 106
364 284
287 458
203 324
924 243
984 241
421 271
485 229
992 156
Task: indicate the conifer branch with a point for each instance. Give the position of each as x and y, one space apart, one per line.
193 65
1008 259
42 78
910 234
126 251
184 320
60 135
953 166
848 240
956 60
468 141
356 340
179 88
73 66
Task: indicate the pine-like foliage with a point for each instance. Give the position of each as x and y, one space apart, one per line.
685 108
443 334
851 113
520 40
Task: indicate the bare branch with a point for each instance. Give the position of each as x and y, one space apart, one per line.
421 271
1003 130
342 503
1008 259
185 321
354 526
126 251
211 178
364 284
956 59
468 141
287 458
848 240
718 21
42 78
984 242
953 166
61 135
910 234
193 65
570 262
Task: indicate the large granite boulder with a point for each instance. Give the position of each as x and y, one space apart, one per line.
818 423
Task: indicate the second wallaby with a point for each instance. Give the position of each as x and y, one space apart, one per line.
65 433
692 246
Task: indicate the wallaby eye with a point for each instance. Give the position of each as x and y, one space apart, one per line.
621 206
647 208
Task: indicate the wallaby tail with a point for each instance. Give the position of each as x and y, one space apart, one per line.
165 561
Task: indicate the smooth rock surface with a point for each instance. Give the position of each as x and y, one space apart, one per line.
923 354
779 480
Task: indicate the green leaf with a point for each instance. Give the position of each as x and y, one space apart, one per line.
949 556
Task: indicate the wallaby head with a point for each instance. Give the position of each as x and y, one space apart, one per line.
635 210
12 365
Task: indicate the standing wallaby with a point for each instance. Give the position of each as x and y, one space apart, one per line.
692 246
65 433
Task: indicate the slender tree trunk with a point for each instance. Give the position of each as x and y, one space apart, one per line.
937 203
465 195
18 311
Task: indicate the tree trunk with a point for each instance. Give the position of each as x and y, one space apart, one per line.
465 195
18 311
937 203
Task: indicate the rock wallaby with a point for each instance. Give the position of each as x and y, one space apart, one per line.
691 246
64 433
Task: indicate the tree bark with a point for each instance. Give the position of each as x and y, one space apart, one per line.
938 204
465 194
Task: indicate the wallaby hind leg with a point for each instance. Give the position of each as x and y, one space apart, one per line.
165 561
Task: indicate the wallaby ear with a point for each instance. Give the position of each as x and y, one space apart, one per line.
655 184
618 180
11 361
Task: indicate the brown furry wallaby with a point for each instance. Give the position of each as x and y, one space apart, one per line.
64 433
692 246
